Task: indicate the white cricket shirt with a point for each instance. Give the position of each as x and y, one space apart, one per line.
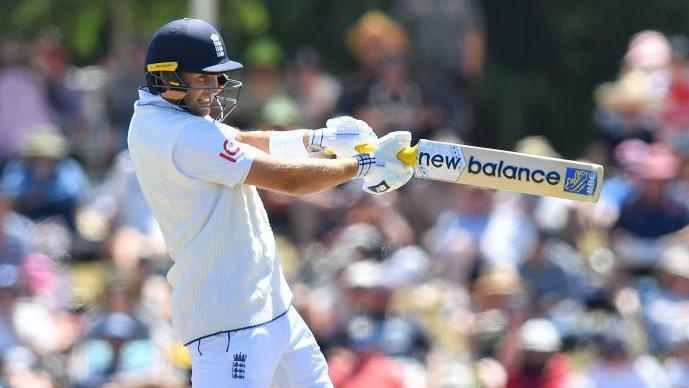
225 275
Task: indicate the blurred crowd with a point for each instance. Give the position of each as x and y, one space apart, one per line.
433 285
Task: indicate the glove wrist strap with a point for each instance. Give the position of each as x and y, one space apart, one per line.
364 161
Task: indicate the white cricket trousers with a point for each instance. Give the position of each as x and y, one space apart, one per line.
280 353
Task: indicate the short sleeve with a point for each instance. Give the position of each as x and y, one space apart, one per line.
209 152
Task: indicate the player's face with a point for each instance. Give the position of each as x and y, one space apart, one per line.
203 89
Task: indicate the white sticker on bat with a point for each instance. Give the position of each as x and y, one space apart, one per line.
439 161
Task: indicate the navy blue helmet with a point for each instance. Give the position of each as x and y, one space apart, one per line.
191 45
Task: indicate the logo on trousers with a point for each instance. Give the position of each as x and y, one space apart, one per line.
239 366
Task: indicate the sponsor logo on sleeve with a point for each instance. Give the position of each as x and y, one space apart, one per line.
231 151
580 181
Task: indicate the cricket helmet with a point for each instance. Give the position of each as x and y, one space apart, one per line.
195 46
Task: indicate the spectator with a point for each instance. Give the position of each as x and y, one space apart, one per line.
665 309
498 308
23 105
264 58
537 363
315 91
615 367
446 70
43 181
372 39
15 233
455 239
10 289
394 102
632 106
548 278
677 366
676 107
117 345
399 337
362 364
653 216
118 205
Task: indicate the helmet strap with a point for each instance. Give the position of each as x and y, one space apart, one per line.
168 84
175 88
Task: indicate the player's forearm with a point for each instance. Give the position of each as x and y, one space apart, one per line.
300 176
321 174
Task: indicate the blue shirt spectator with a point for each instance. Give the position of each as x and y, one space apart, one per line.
43 182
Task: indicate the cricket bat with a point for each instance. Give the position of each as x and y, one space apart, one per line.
502 170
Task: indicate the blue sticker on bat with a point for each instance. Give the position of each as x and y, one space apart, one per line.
579 181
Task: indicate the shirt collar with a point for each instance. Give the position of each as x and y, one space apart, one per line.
146 98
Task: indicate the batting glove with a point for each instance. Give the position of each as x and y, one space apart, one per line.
382 170
341 136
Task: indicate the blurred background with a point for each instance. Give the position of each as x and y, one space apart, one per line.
434 285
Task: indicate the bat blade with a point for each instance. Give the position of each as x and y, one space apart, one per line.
505 170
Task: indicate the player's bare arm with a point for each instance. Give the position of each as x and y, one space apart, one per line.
299 176
381 170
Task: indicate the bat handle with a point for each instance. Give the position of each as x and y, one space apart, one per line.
406 155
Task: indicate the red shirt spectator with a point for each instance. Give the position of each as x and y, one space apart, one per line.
364 370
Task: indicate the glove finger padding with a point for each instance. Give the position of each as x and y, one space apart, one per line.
389 172
341 136
348 124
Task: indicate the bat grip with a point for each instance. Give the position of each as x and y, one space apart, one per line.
406 155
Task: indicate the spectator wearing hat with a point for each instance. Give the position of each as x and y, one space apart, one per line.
43 181
651 217
362 363
537 363
498 308
632 106
371 287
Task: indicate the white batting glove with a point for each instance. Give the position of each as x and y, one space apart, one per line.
382 170
341 136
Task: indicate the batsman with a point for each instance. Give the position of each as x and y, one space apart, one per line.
231 304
